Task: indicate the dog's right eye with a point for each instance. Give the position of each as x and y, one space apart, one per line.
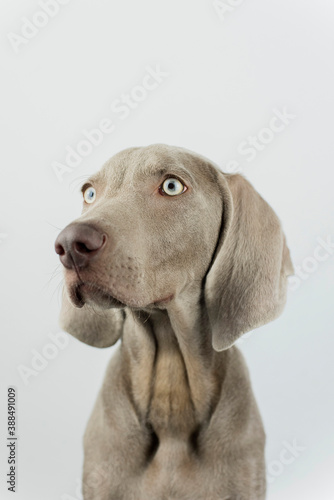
89 195
172 187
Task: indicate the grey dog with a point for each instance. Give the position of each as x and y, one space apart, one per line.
178 260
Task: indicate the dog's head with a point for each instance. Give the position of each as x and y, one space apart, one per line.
159 220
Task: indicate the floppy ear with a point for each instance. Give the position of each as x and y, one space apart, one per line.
247 282
100 328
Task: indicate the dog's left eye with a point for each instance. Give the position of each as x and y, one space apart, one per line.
172 187
89 195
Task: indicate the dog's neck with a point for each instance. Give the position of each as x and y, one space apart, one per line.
173 374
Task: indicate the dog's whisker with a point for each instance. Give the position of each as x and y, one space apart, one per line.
57 289
52 225
55 274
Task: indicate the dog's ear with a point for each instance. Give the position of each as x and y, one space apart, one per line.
247 282
100 328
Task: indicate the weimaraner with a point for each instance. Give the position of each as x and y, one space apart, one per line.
178 260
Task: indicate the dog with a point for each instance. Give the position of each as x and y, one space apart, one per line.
177 260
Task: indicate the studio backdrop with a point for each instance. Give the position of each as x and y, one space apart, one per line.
246 83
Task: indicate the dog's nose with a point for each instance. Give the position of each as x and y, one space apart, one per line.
78 244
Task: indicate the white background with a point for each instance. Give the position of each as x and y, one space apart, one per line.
226 76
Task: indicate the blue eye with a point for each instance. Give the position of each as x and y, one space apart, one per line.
172 187
89 195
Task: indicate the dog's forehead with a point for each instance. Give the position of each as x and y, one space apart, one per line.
114 171
156 162
140 164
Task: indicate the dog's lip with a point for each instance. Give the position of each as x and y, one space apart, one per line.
78 292
83 290
76 297
163 301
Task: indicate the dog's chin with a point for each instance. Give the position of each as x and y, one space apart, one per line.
86 293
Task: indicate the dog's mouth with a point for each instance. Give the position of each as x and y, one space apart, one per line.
88 293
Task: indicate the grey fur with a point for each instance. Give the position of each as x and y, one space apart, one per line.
176 417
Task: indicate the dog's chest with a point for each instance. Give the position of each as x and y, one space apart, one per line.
159 382
171 410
